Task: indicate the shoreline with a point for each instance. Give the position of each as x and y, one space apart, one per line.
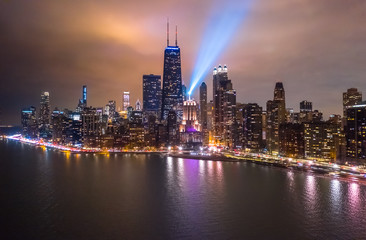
329 170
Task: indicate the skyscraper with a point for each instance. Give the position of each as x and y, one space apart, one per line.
151 94
306 106
172 96
83 101
356 131
85 95
184 92
203 110
29 122
252 127
276 115
136 126
224 107
350 98
110 110
126 100
45 116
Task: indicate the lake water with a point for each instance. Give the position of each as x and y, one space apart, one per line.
46 194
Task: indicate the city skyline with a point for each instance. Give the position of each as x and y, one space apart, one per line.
119 56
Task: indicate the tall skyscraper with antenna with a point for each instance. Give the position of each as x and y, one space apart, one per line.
172 96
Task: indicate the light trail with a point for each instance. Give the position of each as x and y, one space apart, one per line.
223 23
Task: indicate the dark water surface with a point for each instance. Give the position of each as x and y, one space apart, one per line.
54 195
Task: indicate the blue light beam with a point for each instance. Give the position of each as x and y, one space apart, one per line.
219 31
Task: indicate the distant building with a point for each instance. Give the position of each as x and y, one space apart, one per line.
110 110
356 132
151 94
306 106
126 100
172 129
136 127
252 127
350 98
184 92
83 102
90 127
276 115
59 123
320 140
29 122
151 131
190 129
203 112
45 117
224 108
291 142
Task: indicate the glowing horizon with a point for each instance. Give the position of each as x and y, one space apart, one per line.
219 31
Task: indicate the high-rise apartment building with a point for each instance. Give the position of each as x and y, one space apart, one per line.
151 94
350 98
29 122
356 132
45 116
126 100
276 115
224 107
252 127
203 111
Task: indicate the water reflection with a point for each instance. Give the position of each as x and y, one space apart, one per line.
335 195
311 194
354 200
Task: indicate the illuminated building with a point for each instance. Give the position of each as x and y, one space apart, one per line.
291 142
350 98
90 127
319 140
339 137
83 103
151 92
252 127
151 131
45 117
210 116
172 129
58 122
136 127
184 92
203 112
306 106
190 129
224 107
276 115
356 131
110 110
172 95
126 100
29 122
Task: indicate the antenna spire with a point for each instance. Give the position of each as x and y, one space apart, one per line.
167 33
176 35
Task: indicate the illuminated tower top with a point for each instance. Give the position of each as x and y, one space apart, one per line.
279 92
126 100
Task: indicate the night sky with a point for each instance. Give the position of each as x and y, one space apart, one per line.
317 48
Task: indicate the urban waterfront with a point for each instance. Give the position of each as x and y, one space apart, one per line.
49 194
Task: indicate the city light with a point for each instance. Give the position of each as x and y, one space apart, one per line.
220 29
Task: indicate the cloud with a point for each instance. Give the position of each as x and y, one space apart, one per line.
316 47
